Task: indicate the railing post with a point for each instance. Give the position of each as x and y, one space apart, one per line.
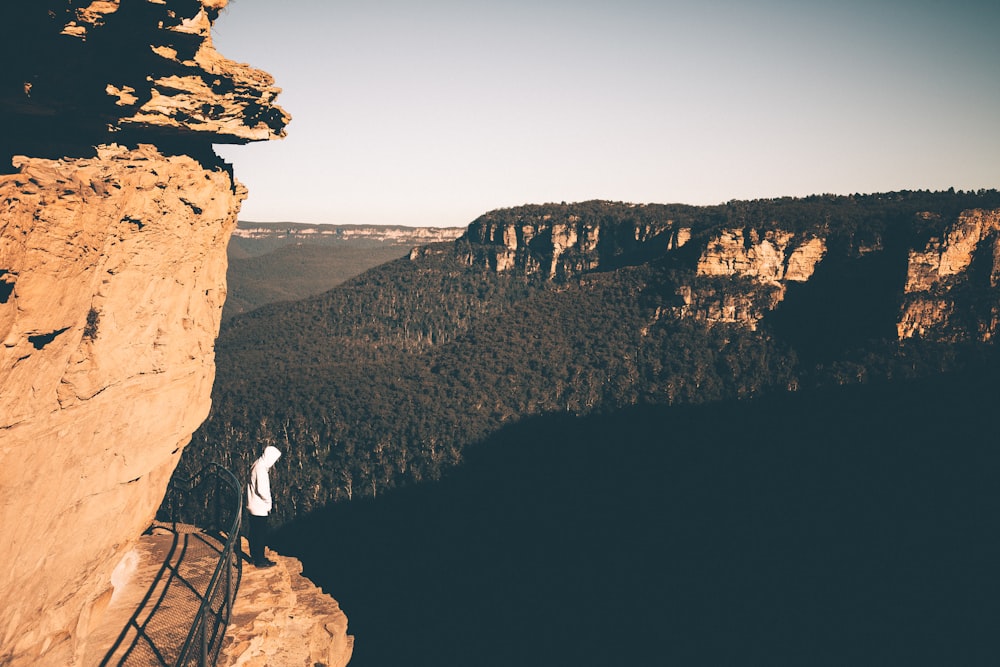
203 659
229 585
218 504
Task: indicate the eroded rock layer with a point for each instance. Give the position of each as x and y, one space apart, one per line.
561 246
122 71
769 259
938 274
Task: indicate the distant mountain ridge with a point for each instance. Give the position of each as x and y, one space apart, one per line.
268 234
287 261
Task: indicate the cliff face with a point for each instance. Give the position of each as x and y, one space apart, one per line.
769 260
939 273
112 279
114 269
561 246
739 274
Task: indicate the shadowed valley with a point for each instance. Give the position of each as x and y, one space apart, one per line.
756 433
845 526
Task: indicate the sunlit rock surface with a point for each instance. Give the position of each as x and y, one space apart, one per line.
560 247
937 273
114 220
771 258
114 273
738 274
281 619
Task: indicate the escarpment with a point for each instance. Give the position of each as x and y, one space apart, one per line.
942 278
734 263
114 220
569 240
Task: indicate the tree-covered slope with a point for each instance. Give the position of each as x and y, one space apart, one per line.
843 526
389 378
294 272
287 261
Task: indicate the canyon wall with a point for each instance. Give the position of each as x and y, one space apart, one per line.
561 246
114 220
939 273
738 274
769 260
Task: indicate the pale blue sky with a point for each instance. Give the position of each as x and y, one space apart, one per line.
431 113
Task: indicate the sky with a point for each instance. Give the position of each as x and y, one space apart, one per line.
432 113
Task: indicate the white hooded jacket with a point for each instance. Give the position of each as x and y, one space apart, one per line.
259 486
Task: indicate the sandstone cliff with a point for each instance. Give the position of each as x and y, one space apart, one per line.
938 273
738 274
770 260
114 269
88 72
563 244
112 280
281 619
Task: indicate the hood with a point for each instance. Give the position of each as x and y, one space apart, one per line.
270 456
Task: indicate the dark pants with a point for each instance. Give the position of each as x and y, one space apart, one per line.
257 535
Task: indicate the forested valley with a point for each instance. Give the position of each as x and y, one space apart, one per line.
387 380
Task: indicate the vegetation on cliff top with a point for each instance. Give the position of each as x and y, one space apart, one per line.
839 214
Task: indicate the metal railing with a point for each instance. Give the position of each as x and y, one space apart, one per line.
212 499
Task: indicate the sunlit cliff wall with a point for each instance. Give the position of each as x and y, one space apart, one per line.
938 273
114 220
946 287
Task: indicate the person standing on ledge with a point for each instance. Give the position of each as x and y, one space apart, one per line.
259 505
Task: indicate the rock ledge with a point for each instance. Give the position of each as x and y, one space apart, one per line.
281 619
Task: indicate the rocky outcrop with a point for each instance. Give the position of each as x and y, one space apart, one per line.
281 619
714 303
593 237
738 274
95 72
938 273
112 279
950 255
562 246
772 256
768 258
114 268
